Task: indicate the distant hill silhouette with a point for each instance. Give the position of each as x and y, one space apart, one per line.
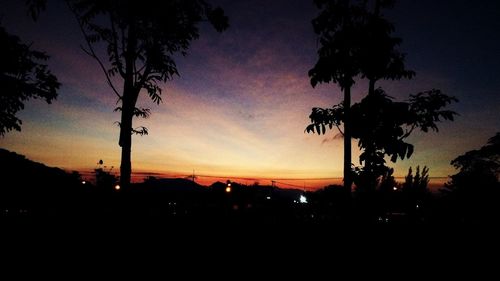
172 184
17 169
28 186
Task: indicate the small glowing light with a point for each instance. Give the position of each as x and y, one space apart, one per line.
84 182
228 189
395 188
229 184
117 187
268 197
418 206
303 199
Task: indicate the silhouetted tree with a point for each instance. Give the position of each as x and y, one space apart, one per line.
485 161
382 125
140 38
474 190
417 183
354 40
339 27
22 77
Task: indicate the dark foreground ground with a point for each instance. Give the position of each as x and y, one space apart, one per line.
241 247
53 224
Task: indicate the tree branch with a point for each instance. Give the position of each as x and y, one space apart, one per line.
115 48
93 55
338 127
145 75
407 134
91 51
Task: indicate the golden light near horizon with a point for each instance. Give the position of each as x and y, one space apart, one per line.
117 187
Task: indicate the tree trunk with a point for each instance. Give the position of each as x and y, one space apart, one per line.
347 139
126 145
371 87
129 99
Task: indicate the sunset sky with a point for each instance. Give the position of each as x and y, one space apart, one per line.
242 101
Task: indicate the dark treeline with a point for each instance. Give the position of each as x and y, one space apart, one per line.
33 190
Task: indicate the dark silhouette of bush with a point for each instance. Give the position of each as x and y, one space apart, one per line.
472 193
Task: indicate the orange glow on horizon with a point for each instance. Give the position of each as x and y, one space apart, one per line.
307 184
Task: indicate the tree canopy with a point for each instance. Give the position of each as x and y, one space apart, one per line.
356 39
23 76
381 125
473 192
478 167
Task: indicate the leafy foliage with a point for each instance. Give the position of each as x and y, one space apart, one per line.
356 40
339 27
478 167
427 108
381 125
142 131
22 76
473 192
325 117
378 52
